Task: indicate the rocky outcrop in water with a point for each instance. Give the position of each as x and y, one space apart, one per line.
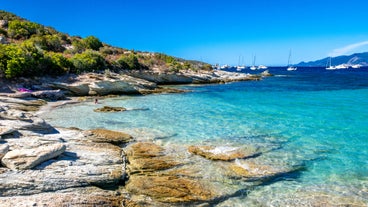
102 84
224 153
59 166
184 77
110 109
108 136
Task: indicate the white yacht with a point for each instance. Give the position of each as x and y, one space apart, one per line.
330 67
356 66
290 66
262 67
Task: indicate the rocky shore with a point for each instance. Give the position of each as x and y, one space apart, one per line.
43 165
46 166
107 83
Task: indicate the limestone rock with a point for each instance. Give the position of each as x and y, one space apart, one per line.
89 196
161 77
29 158
6 130
4 148
105 135
32 126
266 73
144 150
147 157
52 95
3 40
83 164
162 90
79 89
172 189
110 109
251 170
4 23
190 76
223 152
100 84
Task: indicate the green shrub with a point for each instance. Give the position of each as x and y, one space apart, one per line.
15 61
92 43
3 32
165 58
48 42
88 61
59 64
129 62
24 30
78 46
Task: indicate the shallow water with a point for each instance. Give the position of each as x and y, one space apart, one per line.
311 117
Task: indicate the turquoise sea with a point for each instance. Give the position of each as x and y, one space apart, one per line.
311 117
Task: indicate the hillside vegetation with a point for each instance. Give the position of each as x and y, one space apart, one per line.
29 49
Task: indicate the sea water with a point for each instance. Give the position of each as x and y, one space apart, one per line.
316 118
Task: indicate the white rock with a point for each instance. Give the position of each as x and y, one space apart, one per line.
29 158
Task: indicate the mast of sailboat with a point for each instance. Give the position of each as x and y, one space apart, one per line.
289 60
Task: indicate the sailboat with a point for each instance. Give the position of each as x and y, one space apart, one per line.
240 67
330 67
290 66
253 67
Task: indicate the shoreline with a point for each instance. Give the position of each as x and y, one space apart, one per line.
21 122
114 169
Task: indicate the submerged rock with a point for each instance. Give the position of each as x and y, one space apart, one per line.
30 158
147 157
108 136
144 150
110 109
252 170
223 153
172 189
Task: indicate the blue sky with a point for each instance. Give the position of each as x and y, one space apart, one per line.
217 31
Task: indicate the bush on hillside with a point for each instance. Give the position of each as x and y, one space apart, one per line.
92 43
129 62
24 30
3 32
48 42
88 61
59 64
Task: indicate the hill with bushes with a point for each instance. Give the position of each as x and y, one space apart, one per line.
29 49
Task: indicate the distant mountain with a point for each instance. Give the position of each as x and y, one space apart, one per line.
357 58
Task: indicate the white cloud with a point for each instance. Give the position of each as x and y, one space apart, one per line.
347 49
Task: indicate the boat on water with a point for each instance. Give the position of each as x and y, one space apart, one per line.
253 67
262 67
240 66
356 66
290 66
329 65
342 66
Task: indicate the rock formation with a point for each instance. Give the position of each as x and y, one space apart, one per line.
23 159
